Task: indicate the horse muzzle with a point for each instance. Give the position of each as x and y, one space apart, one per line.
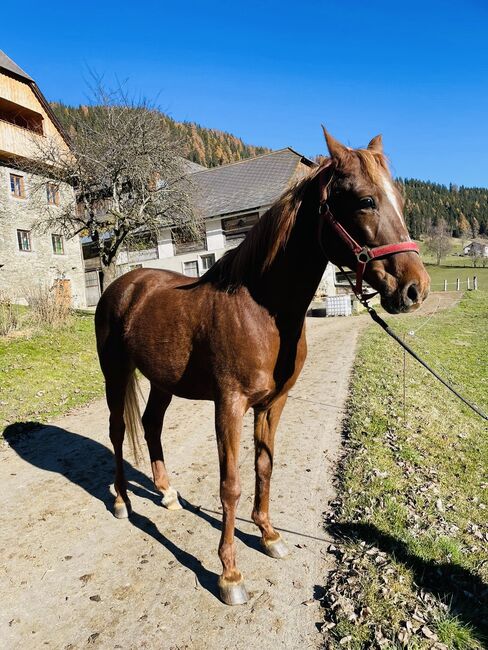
406 298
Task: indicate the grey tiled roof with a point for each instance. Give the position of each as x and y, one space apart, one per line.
247 184
192 167
7 64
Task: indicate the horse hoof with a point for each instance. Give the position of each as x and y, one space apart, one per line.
122 510
276 548
170 499
233 593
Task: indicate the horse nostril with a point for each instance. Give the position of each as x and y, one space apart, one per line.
413 292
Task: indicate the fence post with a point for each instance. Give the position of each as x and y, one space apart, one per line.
445 285
469 287
475 282
457 284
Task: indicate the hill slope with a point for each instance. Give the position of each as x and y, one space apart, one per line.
207 147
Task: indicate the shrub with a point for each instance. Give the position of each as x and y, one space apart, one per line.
49 305
9 316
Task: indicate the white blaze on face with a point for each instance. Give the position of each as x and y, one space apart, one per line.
391 196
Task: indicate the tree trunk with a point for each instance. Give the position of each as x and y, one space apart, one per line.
109 274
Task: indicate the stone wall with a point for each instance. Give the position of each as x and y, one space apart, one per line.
20 270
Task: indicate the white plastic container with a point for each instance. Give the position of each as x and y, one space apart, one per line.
338 305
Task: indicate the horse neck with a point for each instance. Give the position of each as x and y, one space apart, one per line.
287 287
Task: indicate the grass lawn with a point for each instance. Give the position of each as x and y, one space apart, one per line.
411 519
440 273
453 266
49 372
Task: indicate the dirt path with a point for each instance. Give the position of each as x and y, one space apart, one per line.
73 576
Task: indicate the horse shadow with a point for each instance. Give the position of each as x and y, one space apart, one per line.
464 592
57 450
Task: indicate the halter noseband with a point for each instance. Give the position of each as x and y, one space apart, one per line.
363 254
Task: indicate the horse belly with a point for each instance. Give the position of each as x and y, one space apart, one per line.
174 364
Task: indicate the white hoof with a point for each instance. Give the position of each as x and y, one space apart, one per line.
121 511
170 499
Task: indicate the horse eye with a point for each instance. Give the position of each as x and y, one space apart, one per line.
367 203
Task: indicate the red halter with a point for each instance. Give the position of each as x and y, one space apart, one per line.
364 254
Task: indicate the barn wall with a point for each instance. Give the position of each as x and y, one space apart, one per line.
22 270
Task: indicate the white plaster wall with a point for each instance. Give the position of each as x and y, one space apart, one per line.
215 235
165 244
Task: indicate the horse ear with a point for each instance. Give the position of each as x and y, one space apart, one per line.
376 144
336 149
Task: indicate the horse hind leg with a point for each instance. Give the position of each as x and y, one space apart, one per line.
116 390
152 421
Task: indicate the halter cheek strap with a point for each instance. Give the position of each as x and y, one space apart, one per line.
363 254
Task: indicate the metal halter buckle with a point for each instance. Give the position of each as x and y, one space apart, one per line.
364 255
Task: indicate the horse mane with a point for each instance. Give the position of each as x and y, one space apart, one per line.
373 163
262 244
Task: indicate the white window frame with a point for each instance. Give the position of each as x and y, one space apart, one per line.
201 268
195 261
55 252
29 237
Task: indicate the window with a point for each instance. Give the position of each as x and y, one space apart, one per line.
191 268
58 246
52 191
24 240
17 187
238 226
207 261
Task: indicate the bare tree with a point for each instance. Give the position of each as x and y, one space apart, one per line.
438 240
125 169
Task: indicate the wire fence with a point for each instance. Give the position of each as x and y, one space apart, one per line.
456 285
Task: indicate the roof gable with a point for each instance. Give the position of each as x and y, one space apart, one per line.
10 68
7 64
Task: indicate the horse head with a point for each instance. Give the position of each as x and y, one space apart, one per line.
363 228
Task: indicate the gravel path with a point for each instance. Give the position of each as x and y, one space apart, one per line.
73 576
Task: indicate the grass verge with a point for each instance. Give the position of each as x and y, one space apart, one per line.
49 372
411 520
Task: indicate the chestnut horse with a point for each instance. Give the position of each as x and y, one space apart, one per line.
236 336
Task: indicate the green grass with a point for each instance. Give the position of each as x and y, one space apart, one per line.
450 273
417 489
46 374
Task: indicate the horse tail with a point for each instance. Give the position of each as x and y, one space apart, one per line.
132 415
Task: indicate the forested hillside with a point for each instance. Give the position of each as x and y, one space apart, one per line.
464 209
208 147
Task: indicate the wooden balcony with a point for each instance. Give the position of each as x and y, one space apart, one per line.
17 140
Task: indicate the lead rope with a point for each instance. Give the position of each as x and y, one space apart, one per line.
377 319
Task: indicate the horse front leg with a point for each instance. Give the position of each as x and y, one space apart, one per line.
228 425
265 425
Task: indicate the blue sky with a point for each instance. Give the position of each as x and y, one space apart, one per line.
271 72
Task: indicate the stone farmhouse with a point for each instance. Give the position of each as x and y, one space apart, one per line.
231 199
29 258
